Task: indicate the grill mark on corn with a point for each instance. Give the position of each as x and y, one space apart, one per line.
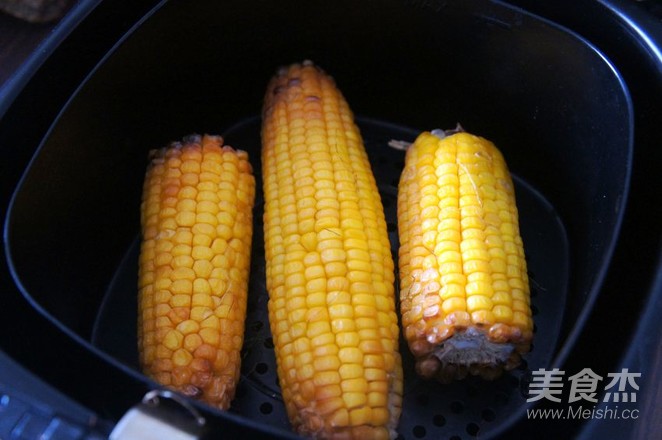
331 307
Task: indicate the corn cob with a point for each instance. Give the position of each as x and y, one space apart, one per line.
196 218
464 287
330 273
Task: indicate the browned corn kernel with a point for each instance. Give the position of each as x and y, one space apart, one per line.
197 226
464 285
329 266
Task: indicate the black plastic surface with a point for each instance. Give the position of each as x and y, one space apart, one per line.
556 108
30 409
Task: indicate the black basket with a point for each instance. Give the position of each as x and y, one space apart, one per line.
553 104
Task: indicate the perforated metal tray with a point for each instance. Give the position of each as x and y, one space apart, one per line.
463 409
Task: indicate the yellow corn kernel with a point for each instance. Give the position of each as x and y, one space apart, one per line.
186 267
325 233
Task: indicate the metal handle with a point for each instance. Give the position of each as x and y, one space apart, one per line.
153 420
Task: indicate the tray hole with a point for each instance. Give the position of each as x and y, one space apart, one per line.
473 429
269 343
488 415
419 431
256 326
438 420
266 408
261 368
457 407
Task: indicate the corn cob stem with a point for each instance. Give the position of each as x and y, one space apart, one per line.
329 267
464 285
197 228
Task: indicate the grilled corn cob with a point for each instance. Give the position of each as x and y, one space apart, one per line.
330 273
196 217
464 287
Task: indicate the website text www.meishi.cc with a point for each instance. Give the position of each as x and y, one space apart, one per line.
583 413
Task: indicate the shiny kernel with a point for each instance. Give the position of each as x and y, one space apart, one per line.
361 414
333 255
182 273
521 320
449 257
202 253
210 336
324 378
183 261
498 265
316 285
350 355
355 400
316 298
502 313
350 371
483 317
181 357
309 241
201 300
183 287
202 268
180 300
199 313
478 302
188 326
313 272
339 325
337 311
192 342
185 218
519 295
327 363
516 283
520 306
454 304
450 235
478 288
451 291
476 266
173 340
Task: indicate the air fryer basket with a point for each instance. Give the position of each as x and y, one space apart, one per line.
549 100
463 408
